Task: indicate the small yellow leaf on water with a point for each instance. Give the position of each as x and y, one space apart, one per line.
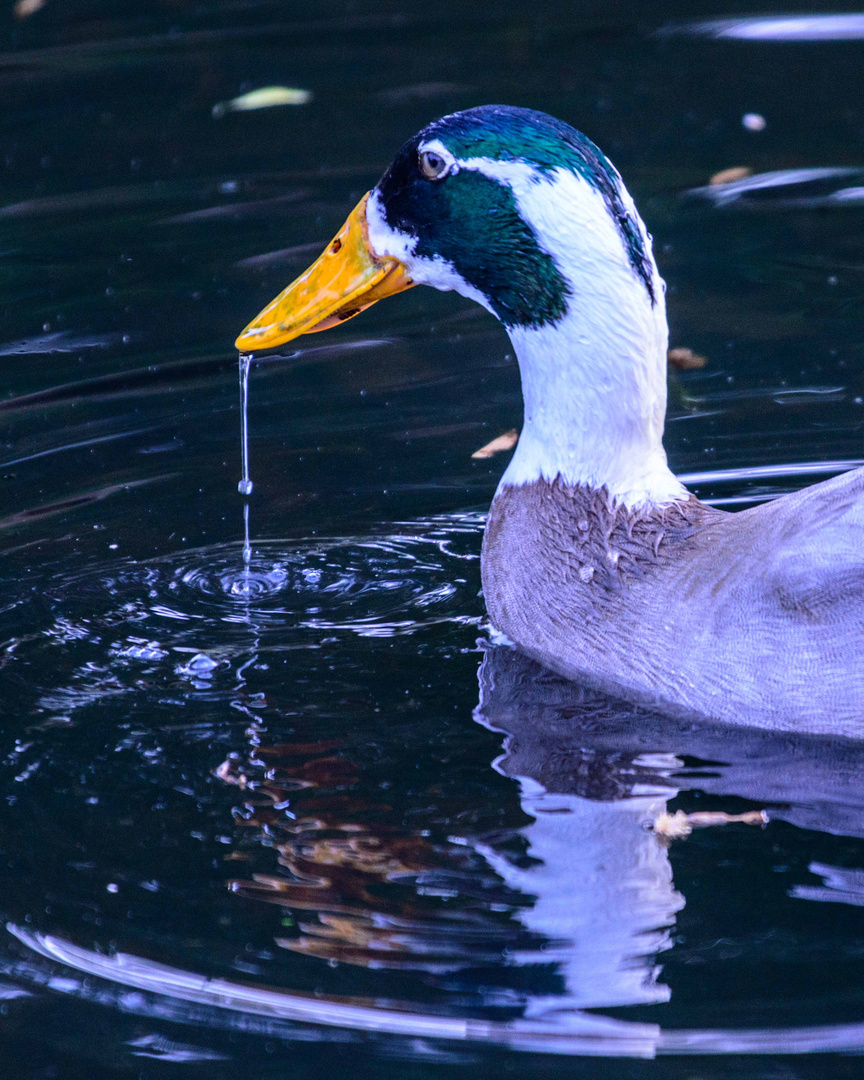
729 176
28 7
504 442
268 97
685 359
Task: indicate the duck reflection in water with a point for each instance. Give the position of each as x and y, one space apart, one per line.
567 906
568 902
600 877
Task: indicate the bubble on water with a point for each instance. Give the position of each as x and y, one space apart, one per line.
201 666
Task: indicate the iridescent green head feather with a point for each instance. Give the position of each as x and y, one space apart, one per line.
469 218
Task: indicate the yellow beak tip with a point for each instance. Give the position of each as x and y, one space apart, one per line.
347 278
256 338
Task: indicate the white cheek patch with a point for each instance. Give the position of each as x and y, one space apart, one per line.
385 240
443 276
436 271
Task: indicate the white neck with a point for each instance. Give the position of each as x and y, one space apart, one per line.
594 384
594 390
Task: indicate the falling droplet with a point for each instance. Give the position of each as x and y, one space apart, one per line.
247 546
754 121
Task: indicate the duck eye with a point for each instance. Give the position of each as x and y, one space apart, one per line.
432 165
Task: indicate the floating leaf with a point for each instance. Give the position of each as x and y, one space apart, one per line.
729 176
504 442
267 97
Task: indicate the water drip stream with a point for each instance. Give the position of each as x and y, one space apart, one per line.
245 484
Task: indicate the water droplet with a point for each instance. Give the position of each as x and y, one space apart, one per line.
754 121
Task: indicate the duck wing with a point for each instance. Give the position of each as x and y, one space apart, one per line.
810 547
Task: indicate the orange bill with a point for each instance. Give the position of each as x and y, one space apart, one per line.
344 280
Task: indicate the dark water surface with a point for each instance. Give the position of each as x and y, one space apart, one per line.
312 823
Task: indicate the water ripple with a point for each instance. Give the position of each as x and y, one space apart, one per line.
584 1034
99 630
848 26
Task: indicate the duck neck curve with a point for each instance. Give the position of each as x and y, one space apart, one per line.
594 382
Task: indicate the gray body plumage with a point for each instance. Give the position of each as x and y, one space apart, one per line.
755 618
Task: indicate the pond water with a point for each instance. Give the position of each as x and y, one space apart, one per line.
307 819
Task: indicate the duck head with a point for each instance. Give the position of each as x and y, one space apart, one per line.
523 214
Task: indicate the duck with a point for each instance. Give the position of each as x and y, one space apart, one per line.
596 561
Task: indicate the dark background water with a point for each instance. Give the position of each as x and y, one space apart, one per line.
302 784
